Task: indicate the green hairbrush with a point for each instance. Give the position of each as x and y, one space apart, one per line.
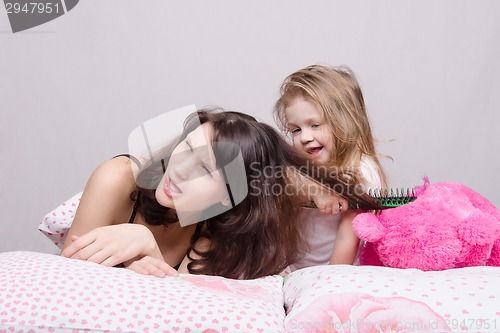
377 199
393 198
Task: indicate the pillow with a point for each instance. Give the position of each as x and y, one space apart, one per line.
46 292
55 225
380 299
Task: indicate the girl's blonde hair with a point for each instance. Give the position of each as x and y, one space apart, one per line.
336 93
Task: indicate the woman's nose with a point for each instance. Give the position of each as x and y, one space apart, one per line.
182 166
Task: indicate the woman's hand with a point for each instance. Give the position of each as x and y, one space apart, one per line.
114 244
152 266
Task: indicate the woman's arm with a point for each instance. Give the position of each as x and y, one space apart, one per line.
97 233
346 242
153 266
159 268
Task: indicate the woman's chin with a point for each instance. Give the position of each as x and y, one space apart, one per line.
188 217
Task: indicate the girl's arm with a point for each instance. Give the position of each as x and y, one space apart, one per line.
346 243
97 233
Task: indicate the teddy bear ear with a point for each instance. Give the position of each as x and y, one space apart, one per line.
419 189
368 227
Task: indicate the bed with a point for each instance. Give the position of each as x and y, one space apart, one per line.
42 292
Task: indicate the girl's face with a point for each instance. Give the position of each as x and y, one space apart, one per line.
192 182
310 133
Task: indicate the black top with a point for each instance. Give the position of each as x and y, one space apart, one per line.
199 225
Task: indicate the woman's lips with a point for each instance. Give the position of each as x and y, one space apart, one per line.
170 188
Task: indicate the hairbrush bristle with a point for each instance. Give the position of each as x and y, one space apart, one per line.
393 198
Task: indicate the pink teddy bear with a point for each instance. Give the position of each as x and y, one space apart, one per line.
448 226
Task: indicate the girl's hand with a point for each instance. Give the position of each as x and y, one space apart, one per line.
152 266
326 200
330 203
114 244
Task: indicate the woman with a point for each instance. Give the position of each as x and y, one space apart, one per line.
255 235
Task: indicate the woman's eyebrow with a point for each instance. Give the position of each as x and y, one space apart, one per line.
205 156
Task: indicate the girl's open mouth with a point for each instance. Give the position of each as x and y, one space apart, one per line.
314 151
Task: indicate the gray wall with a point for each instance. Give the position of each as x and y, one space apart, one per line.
71 90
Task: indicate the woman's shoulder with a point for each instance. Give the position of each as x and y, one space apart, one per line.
115 174
106 198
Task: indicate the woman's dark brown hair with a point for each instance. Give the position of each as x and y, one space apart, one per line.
261 235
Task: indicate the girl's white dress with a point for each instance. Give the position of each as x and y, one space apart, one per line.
322 230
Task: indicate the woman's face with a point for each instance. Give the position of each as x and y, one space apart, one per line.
192 182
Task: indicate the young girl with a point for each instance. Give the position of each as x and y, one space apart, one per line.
323 111
258 234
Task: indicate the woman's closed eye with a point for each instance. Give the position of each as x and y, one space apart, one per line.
188 145
206 169
202 164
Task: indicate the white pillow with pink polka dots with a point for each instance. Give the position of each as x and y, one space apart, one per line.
46 293
380 299
55 225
